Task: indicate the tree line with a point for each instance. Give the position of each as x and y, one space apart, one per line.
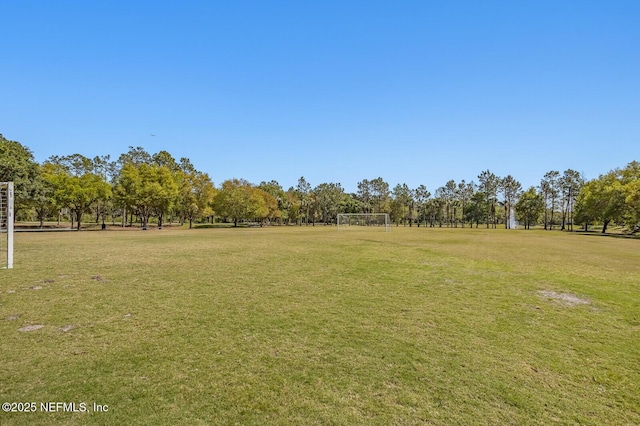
139 187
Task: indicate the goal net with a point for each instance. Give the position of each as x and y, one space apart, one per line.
364 221
6 225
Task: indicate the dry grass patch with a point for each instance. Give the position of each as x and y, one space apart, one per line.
564 298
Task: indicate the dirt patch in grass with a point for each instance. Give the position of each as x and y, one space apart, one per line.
66 328
564 298
13 317
31 327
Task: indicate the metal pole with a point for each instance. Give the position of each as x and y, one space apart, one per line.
10 225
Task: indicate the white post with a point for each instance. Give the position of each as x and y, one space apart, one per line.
10 225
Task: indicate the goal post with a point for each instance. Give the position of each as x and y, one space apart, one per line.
6 224
348 221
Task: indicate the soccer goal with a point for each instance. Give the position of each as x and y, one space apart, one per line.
6 225
363 221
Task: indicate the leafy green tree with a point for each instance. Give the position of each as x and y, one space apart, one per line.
350 204
440 204
107 170
602 199
398 212
126 190
104 167
464 191
147 188
612 197
432 207
364 195
550 191
280 211
328 197
488 185
17 165
305 197
165 159
529 207
294 214
77 188
43 200
475 210
74 164
136 155
452 198
163 191
632 199
236 200
78 165
374 195
401 204
196 192
630 177
380 195
169 183
570 184
510 189
265 206
421 195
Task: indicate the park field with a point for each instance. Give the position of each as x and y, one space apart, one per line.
310 325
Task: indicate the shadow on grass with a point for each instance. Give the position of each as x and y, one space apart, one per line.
600 234
224 225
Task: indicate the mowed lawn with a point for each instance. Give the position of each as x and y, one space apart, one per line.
308 325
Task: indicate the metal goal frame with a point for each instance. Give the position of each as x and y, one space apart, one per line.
347 220
6 222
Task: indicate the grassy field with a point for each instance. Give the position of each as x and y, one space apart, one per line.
309 325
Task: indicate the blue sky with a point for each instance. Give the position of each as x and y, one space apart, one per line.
417 92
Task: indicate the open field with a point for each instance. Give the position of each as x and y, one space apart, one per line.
309 325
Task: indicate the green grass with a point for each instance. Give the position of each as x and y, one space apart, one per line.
308 325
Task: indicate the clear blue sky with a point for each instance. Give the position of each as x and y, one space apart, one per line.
417 92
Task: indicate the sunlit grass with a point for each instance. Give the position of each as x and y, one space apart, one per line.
308 325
